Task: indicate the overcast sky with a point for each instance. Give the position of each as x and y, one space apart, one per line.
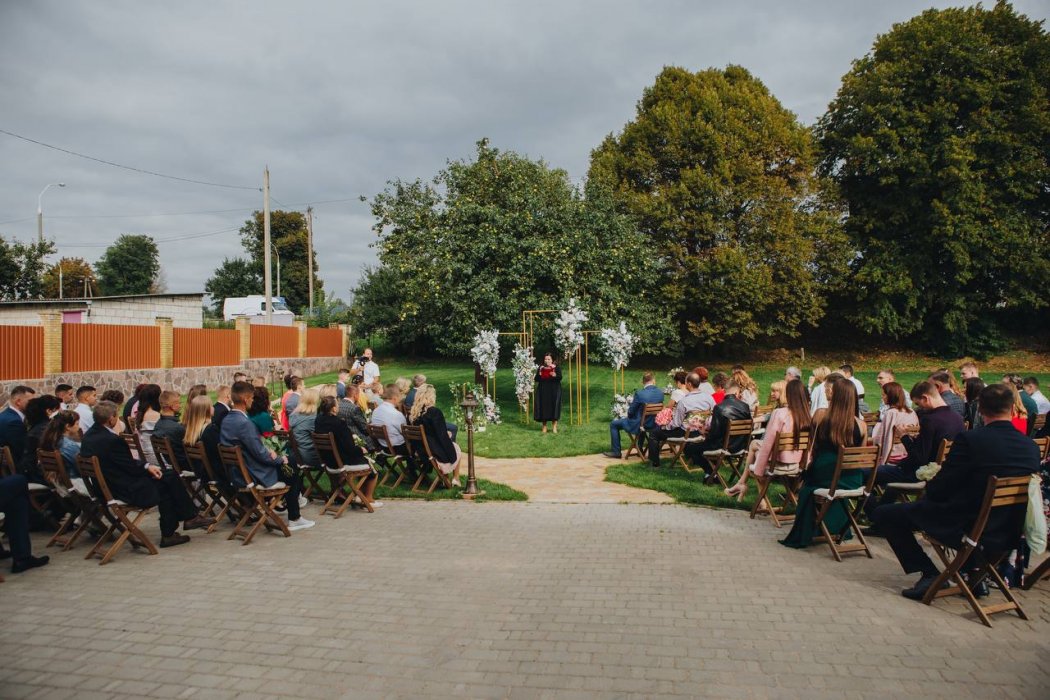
339 98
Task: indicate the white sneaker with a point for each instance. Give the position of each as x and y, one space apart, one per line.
303 501
377 504
300 524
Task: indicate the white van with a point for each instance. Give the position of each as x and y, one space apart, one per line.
255 308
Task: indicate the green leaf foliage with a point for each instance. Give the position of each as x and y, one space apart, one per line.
22 268
130 266
235 277
497 235
288 235
939 140
719 176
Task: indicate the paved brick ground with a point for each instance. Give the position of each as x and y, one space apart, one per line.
504 601
565 480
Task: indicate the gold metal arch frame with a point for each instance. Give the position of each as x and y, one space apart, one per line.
579 367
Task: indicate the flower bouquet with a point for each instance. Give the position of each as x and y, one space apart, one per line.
696 421
486 351
664 417
568 329
487 412
524 365
619 344
927 472
620 405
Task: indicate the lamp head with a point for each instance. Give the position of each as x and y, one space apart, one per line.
61 184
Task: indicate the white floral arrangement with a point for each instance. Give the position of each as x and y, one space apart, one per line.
568 329
619 345
927 472
524 366
671 386
620 405
486 351
487 413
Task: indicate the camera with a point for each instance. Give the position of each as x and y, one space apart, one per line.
362 360
357 379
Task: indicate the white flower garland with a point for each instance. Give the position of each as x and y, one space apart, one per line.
619 344
568 331
620 405
486 351
487 413
524 365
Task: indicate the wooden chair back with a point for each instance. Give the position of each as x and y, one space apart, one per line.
737 429
54 467
649 412
854 459
259 501
786 443
165 453
943 451
7 462
327 451
416 439
394 463
381 437
131 424
1039 424
1043 444
131 439
233 460
121 525
91 472
196 454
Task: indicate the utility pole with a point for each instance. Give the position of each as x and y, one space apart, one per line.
310 255
267 289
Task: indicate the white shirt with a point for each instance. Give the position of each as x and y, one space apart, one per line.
86 419
677 395
818 399
1042 405
371 371
387 414
860 387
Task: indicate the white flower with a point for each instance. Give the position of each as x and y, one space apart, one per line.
927 472
568 329
620 405
486 351
671 386
619 344
487 413
524 365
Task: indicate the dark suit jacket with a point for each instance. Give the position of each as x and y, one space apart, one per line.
954 496
126 476
344 439
13 432
731 408
168 427
219 411
934 426
236 430
647 394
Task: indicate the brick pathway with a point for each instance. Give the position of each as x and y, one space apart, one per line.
504 600
565 480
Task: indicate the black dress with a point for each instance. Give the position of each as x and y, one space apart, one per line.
548 395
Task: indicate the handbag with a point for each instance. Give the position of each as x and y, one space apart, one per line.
1035 519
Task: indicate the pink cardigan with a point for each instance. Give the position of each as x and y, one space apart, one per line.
779 422
882 435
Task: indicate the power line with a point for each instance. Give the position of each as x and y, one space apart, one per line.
171 239
127 167
177 213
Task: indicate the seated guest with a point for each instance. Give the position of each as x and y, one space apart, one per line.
748 388
791 415
240 377
719 383
294 387
937 422
195 391
39 410
259 411
974 387
695 400
132 405
14 504
222 406
138 483
64 393
681 388
168 426
968 370
341 384
302 422
954 496
818 397
351 413
417 381
114 396
329 422
265 466
86 400
428 416
62 434
731 408
389 414
943 381
632 423
883 378
13 422
847 371
403 384
895 414
147 413
259 381
1031 387
200 427
836 426
792 373
705 386
1025 407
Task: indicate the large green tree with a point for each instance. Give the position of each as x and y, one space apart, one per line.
939 139
131 265
496 235
74 275
22 268
288 235
235 277
720 178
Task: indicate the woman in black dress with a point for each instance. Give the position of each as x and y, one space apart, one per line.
548 393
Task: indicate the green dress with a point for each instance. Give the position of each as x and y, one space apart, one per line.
819 475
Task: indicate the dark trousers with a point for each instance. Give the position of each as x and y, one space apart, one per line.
656 438
886 474
173 502
291 499
896 522
453 429
14 503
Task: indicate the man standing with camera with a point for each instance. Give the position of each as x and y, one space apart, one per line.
366 368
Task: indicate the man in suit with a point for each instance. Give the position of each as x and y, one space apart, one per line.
264 466
953 497
729 409
632 423
14 504
222 406
168 426
13 422
137 483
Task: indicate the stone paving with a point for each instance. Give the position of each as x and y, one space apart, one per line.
565 480
504 600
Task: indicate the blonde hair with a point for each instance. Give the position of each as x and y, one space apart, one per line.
325 390
821 373
308 402
425 398
781 386
744 381
197 417
1019 408
403 385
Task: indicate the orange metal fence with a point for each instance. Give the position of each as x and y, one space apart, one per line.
323 342
100 347
22 355
205 347
274 341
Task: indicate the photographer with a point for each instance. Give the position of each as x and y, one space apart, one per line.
366 368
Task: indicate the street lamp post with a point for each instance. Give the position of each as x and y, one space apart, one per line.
40 210
468 405
278 268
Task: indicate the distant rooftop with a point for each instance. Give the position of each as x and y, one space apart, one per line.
116 297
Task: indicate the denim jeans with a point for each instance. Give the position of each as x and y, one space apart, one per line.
614 433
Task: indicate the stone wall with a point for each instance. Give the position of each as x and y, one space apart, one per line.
180 379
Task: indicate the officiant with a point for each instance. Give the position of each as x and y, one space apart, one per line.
547 406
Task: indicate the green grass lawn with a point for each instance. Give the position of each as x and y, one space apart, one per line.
493 491
685 487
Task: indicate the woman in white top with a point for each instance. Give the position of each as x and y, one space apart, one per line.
896 414
818 397
680 389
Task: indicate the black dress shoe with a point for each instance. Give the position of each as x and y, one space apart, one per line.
918 591
29 563
611 455
710 479
174 540
980 590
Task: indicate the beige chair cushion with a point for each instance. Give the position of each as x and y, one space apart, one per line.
841 493
907 486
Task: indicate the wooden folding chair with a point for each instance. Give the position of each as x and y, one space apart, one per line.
7 462
165 454
259 502
131 439
416 439
345 479
638 446
870 419
1001 492
41 496
312 473
1039 424
1043 444
117 512
789 475
677 447
393 462
221 498
851 500
724 457
74 496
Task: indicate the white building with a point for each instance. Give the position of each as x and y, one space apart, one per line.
185 310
